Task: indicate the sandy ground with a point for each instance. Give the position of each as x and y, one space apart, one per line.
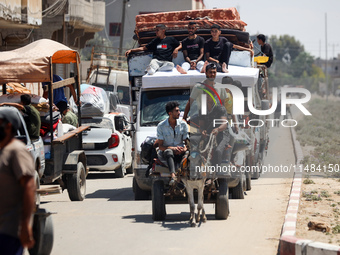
326 210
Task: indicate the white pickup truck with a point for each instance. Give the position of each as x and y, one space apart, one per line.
35 147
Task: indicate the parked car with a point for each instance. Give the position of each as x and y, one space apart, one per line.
108 144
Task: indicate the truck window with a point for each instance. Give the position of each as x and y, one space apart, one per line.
153 104
123 95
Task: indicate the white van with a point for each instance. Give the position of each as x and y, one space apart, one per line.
113 82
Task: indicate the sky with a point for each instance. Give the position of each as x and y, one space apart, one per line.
303 19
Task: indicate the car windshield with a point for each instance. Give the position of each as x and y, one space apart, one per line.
97 122
153 104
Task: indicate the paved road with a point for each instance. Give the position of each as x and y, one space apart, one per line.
109 221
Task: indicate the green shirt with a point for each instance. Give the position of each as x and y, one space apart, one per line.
70 118
32 120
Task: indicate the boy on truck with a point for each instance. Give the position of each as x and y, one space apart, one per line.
193 50
164 49
218 49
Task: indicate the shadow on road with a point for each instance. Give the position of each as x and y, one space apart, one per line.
101 175
172 222
124 194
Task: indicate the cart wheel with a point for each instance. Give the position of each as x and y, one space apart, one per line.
42 233
76 184
121 171
158 203
222 201
140 194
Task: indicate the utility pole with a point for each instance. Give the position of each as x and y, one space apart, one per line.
122 31
326 57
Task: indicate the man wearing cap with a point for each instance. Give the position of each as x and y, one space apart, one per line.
17 187
163 47
193 50
207 85
218 49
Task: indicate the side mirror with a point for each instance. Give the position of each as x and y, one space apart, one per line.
131 127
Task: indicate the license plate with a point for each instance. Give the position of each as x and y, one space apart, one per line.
88 146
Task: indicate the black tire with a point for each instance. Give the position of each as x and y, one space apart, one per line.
37 184
222 201
158 202
254 170
76 184
238 192
140 194
120 172
248 181
129 170
42 233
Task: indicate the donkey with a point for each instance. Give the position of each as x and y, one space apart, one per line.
194 179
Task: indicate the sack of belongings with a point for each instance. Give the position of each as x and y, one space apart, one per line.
94 101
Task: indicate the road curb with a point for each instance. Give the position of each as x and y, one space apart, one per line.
289 244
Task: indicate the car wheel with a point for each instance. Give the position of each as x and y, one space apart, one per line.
37 184
121 171
42 233
140 194
238 192
248 181
222 201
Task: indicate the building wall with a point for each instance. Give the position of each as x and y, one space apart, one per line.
135 7
20 13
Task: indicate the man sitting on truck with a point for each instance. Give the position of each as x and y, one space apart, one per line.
172 135
193 51
32 116
163 47
68 117
266 49
218 49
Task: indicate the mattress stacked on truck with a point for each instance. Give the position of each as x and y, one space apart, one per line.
176 22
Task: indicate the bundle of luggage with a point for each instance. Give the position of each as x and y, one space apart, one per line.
176 22
93 101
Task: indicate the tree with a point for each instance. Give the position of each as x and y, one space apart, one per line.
286 48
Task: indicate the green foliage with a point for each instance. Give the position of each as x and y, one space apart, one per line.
336 229
308 181
292 65
285 44
321 131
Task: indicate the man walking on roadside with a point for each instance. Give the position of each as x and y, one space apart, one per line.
17 187
193 50
164 49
